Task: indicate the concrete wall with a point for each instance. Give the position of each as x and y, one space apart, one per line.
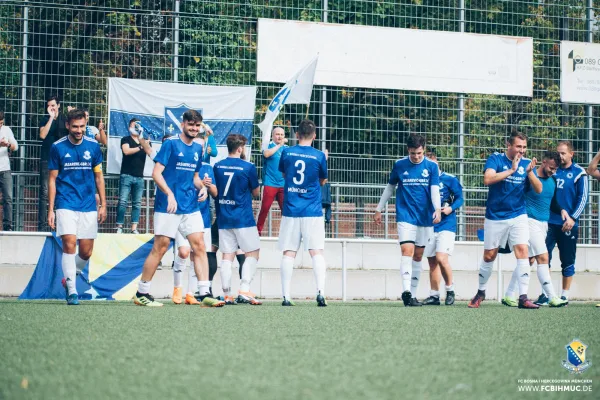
373 270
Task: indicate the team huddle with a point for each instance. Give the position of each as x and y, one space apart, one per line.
530 209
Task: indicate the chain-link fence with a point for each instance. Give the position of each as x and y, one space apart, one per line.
70 47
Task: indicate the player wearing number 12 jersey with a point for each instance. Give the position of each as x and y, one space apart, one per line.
304 169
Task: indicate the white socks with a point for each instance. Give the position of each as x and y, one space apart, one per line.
192 280
248 270
416 275
80 263
434 293
450 288
543 273
287 268
406 271
226 276
178 268
565 294
204 287
144 287
524 270
513 286
320 271
69 269
485 270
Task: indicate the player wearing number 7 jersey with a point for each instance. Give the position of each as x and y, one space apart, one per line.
304 170
237 182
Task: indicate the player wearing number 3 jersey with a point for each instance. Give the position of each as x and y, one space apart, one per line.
304 169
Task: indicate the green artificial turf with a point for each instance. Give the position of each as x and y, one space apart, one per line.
358 350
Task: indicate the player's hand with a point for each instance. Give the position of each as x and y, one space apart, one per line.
4 142
171 204
70 108
101 214
569 222
101 125
532 165
285 140
51 219
515 163
207 129
206 181
377 217
446 210
202 194
51 112
437 216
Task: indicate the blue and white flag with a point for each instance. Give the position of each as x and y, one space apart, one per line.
297 90
160 105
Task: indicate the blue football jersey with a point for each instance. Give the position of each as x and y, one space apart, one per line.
538 204
303 167
413 195
235 179
75 183
206 170
181 162
451 194
571 192
506 199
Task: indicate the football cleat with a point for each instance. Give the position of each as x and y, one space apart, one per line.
247 298
287 303
524 302
191 300
476 301
557 302
146 300
406 297
72 300
510 301
177 295
415 303
542 300
208 301
431 301
321 302
450 298
230 301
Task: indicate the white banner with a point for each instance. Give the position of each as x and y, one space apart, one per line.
394 58
159 106
579 72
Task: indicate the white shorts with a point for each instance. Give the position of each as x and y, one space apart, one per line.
169 224
421 236
84 225
537 237
294 230
180 241
497 233
246 239
443 242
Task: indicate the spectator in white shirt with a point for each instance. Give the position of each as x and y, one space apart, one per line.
7 145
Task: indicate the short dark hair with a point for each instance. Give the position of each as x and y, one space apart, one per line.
431 155
415 141
74 115
235 141
192 116
55 98
84 109
306 129
552 155
133 121
566 143
516 135
1 115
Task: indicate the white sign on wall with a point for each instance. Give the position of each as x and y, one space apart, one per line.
394 58
579 72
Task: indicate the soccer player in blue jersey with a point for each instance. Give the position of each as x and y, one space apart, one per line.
506 175
538 213
563 230
75 176
176 174
237 183
442 245
418 208
304 170
272 179
182 245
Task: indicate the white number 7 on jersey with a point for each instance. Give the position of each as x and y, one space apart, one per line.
230 175
299 172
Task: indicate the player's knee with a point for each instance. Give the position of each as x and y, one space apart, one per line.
183 252
568 271
488 258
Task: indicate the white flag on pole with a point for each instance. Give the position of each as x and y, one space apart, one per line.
297 90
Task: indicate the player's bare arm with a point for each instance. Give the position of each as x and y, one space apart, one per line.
592 169
51 196
536 184
100 187
162 186
491 177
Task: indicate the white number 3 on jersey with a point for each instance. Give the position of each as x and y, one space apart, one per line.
299 172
